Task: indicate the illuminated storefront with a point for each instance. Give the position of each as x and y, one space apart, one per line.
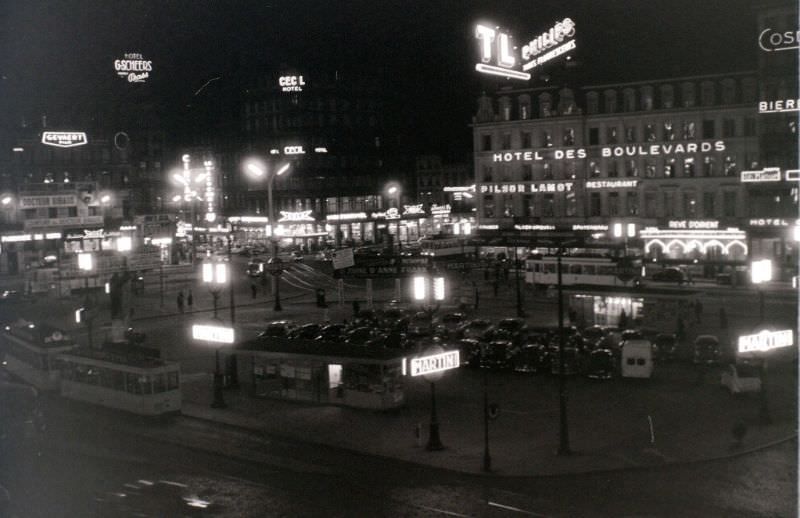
654 309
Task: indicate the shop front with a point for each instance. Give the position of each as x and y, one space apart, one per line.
323 373
775 239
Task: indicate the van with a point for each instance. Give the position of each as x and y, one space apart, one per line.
637 359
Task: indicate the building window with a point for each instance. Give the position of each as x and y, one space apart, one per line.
708 205
488 206
610 99
730 166
506 141
632 203
527 205
650 208
594 204
571 204
592 103
548 206
52 212
569 170
611 135
594 169
630 134
612 169
728 91
505 173
508 206
629 100
708 128
545 105
527 172
688 95
708 166
729 204
548 172
707 93
650 169
667 97
547 140
486 142
487 174
669 132
689 205
728 128
688 167
569 137
689 131
613 204
526 140
524 102
505 108
594 136
669 204
631 168
749 89
650 132
647 97
749 126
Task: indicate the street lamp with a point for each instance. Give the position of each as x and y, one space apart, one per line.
761 272
86 264
394 190
187 178
259 171
215 275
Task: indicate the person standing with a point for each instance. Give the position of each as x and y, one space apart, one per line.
180 301
253 290
189 300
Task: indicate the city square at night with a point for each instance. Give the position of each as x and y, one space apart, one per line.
399 258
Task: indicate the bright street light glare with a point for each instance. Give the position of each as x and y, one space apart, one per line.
179 178
177 197
199 178
283 169
105 198
392 189
6 200
255 170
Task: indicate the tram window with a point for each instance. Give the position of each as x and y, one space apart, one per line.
605 270
549 268
575 269
132 384
159 384
588 269
536 267
172 381
112 379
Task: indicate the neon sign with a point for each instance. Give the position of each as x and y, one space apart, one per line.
217 334
435 363
771 40
765 341
303 215
611 184
768 174
505 60
780 106
294 150
694 224
133 67
291 83
440 210
412 209
391 213
346 216
552 38
526 187
769 222
64 138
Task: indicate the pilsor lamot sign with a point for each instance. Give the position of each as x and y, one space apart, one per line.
64 138
133 67
499 55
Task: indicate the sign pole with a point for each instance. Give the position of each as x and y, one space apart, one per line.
340 289
369 293
434 442
487 459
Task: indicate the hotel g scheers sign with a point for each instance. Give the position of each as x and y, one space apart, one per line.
133 67
499 56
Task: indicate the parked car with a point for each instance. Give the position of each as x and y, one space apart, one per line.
277 329
305 332
475 329
296 255
706 349
421 324
393 318
450 323
532 357
513 327
571 361
470 352
670 275
601 365
665 347
331 332
592 336
741 378
631 334
498 354
360 336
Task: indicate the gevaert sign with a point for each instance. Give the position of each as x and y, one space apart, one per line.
64 138
218 334
766 340
435 363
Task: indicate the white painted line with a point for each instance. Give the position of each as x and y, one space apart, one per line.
442 511
515 509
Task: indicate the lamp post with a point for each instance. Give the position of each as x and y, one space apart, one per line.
259 171
760 273
215 275
563 436
86 264
187 179
394 190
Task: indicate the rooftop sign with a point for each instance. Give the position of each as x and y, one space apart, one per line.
64 138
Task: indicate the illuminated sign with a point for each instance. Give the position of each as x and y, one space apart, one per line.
499 57
210 191
412 209
291 83
611 184
766 340
558 154
440 210
592 228
792 175
64 200
534 227
320 150
783 105
770 222
435 363
248 219
16 238
488 227
663 149
771 40
133 67
526 187
64 138
303 215
391 213
217 334
294 150
459 188
768 174
346 216
693 224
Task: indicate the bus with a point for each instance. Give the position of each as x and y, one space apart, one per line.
130 382
29 352
602 271
443 246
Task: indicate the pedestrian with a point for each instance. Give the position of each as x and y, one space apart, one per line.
180 301
253 290
689 279
494 287
573 317
189 300
723 319
698 311
477 294
356 308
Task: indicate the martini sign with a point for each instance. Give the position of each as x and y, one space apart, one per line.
499 56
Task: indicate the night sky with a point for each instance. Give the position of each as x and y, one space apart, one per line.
59 52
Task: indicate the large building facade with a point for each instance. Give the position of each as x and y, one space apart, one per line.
672 157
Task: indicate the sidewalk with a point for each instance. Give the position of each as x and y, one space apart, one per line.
609 423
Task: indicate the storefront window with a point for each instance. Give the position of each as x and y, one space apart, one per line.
548 205
689 204
527 205
669 132
488 206
613 204
708 166
508 206
594 204
632 203
688 167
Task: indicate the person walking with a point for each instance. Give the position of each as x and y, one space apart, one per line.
253 290
180 301
698 311
189 300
